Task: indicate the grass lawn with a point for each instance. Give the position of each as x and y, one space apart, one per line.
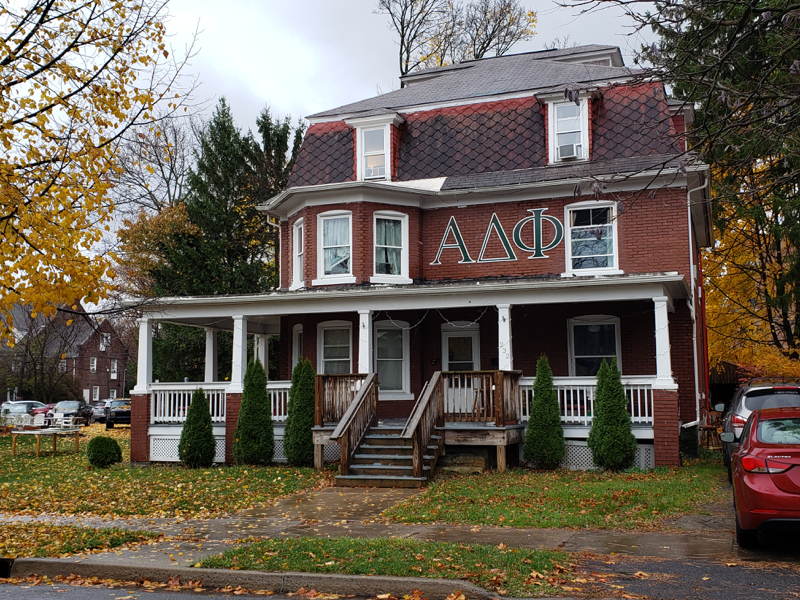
67 484
53 541
520 573
566 499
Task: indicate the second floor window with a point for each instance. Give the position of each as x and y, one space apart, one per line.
93 365
591 238
388 246
374 144
336 245
298 252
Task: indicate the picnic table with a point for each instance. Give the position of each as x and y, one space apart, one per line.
54 431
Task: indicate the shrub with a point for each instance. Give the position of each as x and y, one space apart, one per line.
103 452
197 446
298 443
254 439
544 438
610 439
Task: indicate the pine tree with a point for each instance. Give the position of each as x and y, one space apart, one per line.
544 438
197 446
611 441
254 440
298 443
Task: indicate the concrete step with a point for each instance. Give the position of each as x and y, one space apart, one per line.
387 481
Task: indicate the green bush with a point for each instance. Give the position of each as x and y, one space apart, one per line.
254 439
610 439
298 443
544 438
103 452
197 446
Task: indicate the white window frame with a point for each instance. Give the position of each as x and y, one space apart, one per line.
93 364
592 320
323 279
405 393
112 393
297 350
551 133
96 393
113 368
298 249
321 327
402 277
590 204
462 329
363 124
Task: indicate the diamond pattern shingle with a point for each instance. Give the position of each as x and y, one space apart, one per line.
326 156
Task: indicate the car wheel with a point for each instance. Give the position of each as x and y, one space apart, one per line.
109 424
746 538
91 420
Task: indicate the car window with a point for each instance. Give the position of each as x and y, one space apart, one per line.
771 399
779 431
18 408
121 404
67 406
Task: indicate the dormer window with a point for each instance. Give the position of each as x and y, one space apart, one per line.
374 146
374 153
569 131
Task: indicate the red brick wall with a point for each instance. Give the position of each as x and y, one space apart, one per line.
140 421
666 435
80 365
232 404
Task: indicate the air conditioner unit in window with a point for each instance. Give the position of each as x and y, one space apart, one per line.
568 151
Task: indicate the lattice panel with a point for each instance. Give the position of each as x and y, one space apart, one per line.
332 452
279 455
579 457
165 449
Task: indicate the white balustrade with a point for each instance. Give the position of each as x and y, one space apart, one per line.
576 399
278 392
170 402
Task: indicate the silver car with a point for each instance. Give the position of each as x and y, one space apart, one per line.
755 395
99 410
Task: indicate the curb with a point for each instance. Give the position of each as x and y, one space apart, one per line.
359 585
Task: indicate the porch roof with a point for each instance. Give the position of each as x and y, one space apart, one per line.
264 310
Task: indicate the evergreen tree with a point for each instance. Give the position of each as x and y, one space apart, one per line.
298 443
254 440
611 441
544 438
197 446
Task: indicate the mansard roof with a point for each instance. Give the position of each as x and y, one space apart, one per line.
496 76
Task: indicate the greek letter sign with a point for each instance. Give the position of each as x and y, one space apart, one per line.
527 236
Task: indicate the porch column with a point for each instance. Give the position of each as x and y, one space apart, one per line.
504 347
365 341
239 363
144 372
260 349
663 357
211 355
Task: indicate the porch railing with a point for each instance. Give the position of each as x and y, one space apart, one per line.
169 403
278 392
481 396
355 421
333 395
428 414
576 399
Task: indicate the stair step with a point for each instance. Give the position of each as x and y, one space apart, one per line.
387 459
384 469
390 481
385 440
382 449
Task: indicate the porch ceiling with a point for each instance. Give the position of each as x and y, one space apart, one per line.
264 311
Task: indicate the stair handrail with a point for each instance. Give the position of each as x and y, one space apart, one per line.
356 422
428 414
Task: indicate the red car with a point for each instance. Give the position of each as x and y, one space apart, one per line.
766 474
43 410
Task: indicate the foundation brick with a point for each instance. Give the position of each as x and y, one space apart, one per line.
140 422
232 404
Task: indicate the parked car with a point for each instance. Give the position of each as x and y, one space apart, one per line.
44 409
118 412
99 410
18 407
78 409
766 473
756 394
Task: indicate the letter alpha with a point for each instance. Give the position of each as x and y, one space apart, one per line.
452 226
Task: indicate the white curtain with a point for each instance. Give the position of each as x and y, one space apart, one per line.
388 246
336 244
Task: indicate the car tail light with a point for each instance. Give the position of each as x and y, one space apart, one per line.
738 420
752 464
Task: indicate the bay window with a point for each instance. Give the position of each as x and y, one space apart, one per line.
334 241
298 248
391 247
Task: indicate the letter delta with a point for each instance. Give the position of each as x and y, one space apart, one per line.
527 236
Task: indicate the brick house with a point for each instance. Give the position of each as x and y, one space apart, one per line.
436 240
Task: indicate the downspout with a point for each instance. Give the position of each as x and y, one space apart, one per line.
691 302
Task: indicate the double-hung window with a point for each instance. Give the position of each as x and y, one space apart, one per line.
374 145
105 341
391 248
568 131
114 368
392 360
592 245
93 365
298 251
335 262
96 393
335 347
374 156
62 365
593 339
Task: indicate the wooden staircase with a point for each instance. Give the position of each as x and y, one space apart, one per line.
385 459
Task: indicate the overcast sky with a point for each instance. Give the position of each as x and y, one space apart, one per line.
304 56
